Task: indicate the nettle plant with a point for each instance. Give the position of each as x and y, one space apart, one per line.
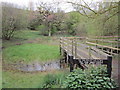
93 78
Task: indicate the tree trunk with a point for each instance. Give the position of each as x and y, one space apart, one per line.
49 33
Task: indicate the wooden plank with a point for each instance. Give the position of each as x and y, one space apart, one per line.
102 45
107 36
93 61
109 52
93 51
100 52
102 40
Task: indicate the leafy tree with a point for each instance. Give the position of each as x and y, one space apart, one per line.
99 16
72 20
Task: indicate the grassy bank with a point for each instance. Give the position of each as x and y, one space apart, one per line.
29 80
30 46
31 52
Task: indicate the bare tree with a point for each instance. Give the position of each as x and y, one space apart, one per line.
13 18
8 21
93 9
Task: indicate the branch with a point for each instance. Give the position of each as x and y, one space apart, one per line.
85 14
83 6
88 7
111 16
107 10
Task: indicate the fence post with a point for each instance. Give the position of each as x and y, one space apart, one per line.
109 65
70 58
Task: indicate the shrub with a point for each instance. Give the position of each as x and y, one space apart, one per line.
91 79
43 30
49 81
54 80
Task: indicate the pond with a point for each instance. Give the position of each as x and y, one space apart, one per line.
37 66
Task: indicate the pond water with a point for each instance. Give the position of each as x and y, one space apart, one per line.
36 66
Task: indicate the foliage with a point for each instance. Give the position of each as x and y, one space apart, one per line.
101 17
49 80
43 30
34 22
74 24
93 78
53 80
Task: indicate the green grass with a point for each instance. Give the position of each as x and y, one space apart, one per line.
26 34
31 52
27 80
34 47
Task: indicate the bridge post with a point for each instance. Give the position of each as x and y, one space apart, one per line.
75 47
70 59
65 55
109 65
60 46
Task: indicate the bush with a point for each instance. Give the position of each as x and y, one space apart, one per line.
53 80
91 79
49 81
43 30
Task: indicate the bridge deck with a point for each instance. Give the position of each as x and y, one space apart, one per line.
81 51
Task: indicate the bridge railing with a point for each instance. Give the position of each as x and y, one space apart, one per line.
71 45
108 46
111 47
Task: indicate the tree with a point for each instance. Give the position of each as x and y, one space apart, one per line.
50 18
13 19
71 21
8 21
100 14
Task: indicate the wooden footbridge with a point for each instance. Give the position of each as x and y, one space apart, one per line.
79 51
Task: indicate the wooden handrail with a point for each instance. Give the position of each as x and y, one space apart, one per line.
73 44
102 40
102 45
